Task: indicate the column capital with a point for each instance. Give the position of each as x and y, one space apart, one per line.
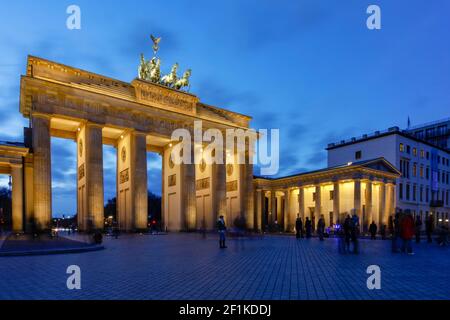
16 165
41 115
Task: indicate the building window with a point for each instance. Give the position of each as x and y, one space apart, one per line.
428 173
421 193
427 195
428 155
415 170
414 193
422 153
408 149
400 190
421 172
415 152
407 191
332 195
358 155
402 147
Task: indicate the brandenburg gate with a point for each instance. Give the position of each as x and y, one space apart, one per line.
135 118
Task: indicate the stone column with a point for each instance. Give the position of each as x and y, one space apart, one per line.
94 175
17 197
369 206
42 175
188 194
382 217
357 201
287 210
318 204
139 178
336 202
219 188
301 203
248 200
259 209
273 206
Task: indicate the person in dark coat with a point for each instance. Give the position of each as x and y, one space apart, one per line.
347 232
221 227
299 227
407 233
383 232
429 227
308 227
391 225
418 228
354 232
373 230
321 228
396 234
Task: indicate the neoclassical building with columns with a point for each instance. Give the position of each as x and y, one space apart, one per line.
365 188
140 117
136 118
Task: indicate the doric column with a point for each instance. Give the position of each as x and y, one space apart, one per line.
336 201
259 205
139 173
94 174
42 176
287 210
318 203
368 200
90 177
188 194
357 200
17 197
382 217
219 189
273 206
301 203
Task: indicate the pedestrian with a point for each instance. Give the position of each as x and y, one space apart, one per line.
373 230
341 238
321 228
383 232
354 233
407 233
396 232
391 225
299 227
418 228
347 232
308 227
429 227
221 227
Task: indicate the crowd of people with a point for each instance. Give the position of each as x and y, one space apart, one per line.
403 228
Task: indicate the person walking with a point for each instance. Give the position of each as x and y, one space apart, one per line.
308 227
354 233
396 232
418 228
429 227
221 227
347 232
407 233
299 227
373 230
321 228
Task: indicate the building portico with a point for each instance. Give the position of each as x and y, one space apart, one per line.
364 189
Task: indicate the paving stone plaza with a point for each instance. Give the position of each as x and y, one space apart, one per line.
191 267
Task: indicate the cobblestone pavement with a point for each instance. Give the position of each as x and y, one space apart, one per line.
187 266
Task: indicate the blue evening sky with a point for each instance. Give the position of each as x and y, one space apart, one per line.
308 67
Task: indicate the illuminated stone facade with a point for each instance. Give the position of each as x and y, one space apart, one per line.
135 118
366 189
